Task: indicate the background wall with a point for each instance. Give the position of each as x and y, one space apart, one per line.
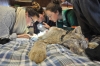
4 2
42 3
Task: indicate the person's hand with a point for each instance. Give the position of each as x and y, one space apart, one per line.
24 36
46 25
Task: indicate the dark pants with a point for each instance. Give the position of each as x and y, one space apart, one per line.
88 16
93 54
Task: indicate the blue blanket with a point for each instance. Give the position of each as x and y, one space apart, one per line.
15 53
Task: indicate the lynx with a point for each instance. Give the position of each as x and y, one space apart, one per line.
74 40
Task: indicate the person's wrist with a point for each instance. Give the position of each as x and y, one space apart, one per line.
18 36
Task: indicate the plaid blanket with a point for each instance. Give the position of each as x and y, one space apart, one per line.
15 53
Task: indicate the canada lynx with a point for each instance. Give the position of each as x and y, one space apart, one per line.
74 40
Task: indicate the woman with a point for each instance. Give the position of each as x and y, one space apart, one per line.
54 12
25 17
15 25
43 19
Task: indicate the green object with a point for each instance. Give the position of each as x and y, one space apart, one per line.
64 18
16 5
69 18
60 23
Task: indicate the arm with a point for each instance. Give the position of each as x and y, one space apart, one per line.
7 20
23 36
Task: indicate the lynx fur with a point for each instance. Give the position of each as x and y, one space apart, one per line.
74 40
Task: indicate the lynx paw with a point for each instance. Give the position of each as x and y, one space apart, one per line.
37 54
93 45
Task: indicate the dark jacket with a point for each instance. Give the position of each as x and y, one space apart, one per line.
49 22
88 15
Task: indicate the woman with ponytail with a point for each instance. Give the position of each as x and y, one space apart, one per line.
43 19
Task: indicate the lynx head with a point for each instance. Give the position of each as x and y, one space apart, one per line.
76 37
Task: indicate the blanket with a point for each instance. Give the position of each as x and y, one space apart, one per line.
15 53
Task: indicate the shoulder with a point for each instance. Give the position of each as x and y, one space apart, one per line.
6 11
5 8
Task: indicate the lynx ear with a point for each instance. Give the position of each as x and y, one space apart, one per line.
77 30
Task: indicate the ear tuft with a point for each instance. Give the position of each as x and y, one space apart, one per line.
77 30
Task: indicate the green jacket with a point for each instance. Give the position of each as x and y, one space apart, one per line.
69 19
